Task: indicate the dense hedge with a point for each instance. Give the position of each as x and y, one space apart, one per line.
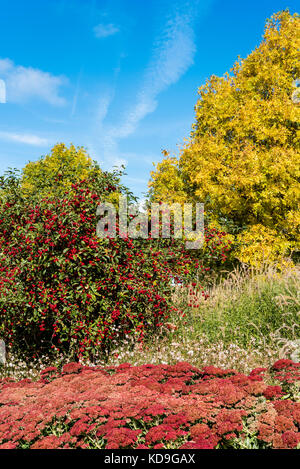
64 289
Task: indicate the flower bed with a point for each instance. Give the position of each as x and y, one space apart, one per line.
152 406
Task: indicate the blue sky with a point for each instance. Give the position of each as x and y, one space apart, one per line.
118 77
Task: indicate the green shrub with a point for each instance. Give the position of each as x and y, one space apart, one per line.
65 290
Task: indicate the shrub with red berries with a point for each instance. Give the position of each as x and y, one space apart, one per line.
63 289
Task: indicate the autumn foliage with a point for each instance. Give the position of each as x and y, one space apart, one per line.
148 406
63 289
242 158
55 173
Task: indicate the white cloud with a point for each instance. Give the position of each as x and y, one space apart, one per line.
105 30
173 54
2 92
5 65
28 139
103 107
25 83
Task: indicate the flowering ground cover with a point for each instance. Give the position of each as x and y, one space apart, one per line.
152 406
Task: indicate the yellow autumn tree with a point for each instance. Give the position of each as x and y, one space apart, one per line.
56 172
242 158
52 175
167 184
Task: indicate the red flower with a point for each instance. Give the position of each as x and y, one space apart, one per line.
282 364
272 391
290 439
72 368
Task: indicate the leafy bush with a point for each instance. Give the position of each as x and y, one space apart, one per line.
64 289
148 406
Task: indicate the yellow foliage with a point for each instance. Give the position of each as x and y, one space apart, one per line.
57 171
260 245
167 185
242 158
